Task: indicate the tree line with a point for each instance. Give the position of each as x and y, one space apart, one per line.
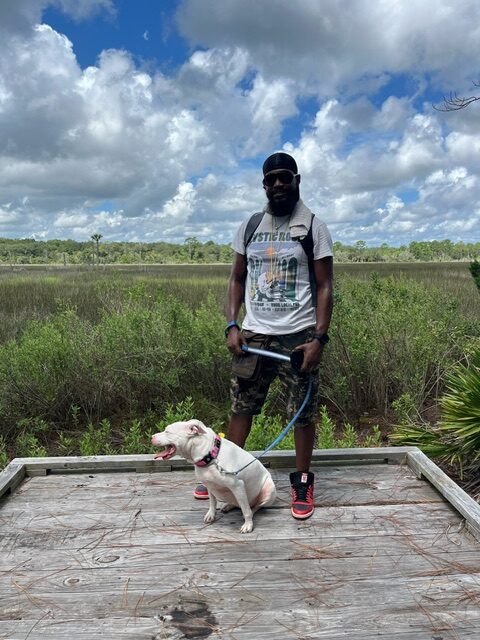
95 252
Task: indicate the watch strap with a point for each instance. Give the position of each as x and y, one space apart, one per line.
230 325
323 338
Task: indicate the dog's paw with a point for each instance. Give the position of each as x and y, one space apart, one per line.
247 527
209 517
228 507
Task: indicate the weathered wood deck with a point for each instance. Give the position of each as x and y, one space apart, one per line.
125 555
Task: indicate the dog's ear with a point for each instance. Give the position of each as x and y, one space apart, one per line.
195 427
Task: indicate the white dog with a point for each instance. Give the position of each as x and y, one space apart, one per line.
216 462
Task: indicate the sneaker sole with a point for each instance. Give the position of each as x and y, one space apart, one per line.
200 497
297 516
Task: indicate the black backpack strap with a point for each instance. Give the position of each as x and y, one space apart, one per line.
307 245
251 227
307 241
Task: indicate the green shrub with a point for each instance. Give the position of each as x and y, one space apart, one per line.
373 439
66 445
28 446
4 459
326 434
349 439
178 412
424 436
390 337
145 353
475 271
136 439
97 440
265 429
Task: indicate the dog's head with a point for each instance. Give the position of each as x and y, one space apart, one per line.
179 436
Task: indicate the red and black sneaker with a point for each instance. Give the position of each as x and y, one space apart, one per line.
302 494
200 492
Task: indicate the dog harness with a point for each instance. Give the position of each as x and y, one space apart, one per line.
210 457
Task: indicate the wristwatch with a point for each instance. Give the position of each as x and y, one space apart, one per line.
323 338
230 325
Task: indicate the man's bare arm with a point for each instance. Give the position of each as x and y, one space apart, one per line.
323 269
235 299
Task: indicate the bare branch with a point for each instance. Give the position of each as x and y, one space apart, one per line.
454 102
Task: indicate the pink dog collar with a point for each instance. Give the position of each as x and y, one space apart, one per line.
206 460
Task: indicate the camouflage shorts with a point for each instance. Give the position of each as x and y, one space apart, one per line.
248 396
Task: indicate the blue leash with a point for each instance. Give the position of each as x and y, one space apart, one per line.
282 435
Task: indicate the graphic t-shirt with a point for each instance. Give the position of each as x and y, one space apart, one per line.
278 297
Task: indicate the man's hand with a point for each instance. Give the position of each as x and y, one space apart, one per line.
235 339
312 354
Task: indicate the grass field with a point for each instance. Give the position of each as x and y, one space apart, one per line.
93 360
37 291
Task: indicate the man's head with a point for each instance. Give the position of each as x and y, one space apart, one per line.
281 183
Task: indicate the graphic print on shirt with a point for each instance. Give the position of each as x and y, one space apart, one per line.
273 268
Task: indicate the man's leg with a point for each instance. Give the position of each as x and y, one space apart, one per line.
302 480
239 428
304 443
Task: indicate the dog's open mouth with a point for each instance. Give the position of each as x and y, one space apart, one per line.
168 453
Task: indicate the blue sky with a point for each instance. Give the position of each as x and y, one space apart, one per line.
150 120
144 28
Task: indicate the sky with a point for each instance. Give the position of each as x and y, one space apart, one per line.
149 120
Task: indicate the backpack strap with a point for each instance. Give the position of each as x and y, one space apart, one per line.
307 245
251 227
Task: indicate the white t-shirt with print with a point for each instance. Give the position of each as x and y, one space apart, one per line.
278 297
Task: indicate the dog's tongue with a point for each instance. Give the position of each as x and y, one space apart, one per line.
168 453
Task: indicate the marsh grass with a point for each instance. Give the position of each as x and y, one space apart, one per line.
452 278
85 349
37 292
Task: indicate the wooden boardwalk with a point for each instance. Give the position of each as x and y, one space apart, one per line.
86 554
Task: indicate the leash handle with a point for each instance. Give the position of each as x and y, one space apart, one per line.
295 358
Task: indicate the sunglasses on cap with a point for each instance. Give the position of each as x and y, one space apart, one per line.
285 177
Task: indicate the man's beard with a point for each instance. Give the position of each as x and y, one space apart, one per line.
286 206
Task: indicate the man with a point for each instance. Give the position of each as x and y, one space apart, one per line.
288 300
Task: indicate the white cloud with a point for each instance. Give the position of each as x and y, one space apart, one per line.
132 152
329 44
70 220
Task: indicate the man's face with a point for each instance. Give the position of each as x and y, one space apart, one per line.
282 190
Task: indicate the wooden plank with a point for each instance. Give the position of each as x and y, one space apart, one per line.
310 606
127 528
85 464
451 545
11 477
464 504
150 572
393 455
145 462
335 486
267 626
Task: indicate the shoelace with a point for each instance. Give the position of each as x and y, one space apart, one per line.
302 492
